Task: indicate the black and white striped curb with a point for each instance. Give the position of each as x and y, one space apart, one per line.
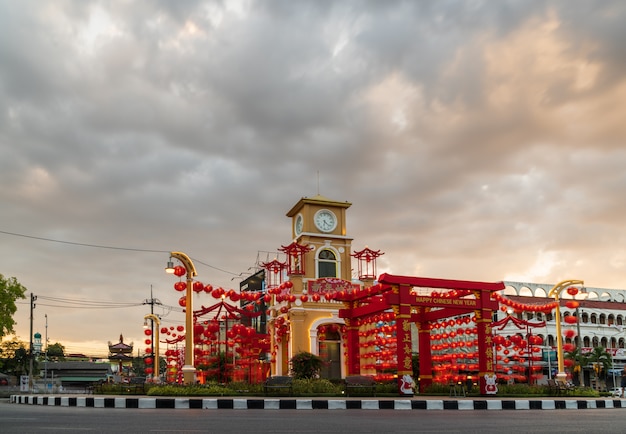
317 404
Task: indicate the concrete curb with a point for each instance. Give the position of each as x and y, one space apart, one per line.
316 404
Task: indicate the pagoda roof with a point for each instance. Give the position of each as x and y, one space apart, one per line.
121 346
120 356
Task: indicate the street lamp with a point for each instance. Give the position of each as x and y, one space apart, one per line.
555 293
156 320
188 369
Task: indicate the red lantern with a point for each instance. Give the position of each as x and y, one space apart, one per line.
148 370
148 341
179 270
148 360
568 347
180 328
182 301
570 319
180 286
198 286
147 332
570 333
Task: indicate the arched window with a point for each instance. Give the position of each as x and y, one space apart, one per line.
326 264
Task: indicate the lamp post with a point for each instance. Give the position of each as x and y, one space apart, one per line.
155 320
555 293
189 368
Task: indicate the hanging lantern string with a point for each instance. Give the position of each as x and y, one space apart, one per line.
546 308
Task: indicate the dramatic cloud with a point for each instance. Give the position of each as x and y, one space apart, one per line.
476 140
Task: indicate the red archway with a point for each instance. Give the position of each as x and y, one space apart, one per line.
422 301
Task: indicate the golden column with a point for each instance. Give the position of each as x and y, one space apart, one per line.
555 293
156 375
189 369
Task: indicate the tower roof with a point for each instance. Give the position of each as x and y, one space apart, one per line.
317 200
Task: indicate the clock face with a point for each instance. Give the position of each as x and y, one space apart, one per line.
325 220
298 225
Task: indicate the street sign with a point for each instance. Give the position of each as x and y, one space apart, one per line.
548 356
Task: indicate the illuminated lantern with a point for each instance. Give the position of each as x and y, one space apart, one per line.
198 329
570 319
148 360
304 298
572 304
182 301
198 286
572 290
148 371
179 270
570 334
180 286
568 347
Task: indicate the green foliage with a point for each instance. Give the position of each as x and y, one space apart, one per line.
14 357
319 387
602 361
306 365
322 387
56 352
10 291
208 389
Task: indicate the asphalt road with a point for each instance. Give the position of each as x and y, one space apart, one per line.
20 418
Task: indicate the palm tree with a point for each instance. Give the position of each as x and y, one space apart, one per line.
579 361
601 360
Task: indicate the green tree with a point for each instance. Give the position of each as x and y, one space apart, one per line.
601 360
12 356
56 352
10 291
579 360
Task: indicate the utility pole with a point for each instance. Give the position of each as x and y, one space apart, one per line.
45 375
32 353
152 301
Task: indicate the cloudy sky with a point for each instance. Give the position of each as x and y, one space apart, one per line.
478 140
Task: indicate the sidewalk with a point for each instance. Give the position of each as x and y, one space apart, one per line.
265 403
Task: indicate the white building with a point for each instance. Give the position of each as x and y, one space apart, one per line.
601 319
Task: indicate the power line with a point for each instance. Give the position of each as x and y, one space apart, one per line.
98 246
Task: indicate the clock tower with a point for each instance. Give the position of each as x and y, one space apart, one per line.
320 223
310 322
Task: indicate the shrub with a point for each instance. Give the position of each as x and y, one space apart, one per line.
309 386
306 365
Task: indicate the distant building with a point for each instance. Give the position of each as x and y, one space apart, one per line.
72 374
